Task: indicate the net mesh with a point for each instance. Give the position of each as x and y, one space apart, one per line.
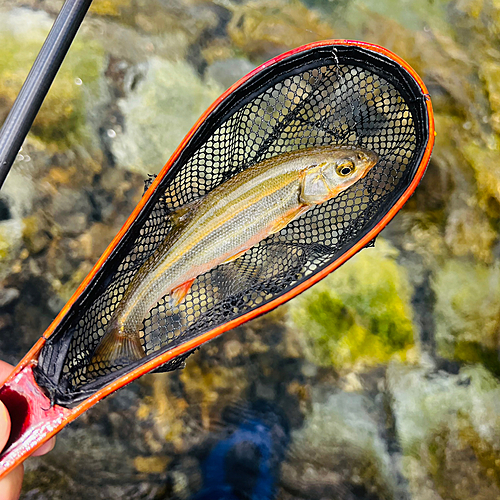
339 104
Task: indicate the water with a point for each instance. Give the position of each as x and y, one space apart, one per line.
379 383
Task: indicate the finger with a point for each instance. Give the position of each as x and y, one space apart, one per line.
10 485
4 426
5 370
45 448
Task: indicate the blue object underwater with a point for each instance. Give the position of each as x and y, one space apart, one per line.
245 465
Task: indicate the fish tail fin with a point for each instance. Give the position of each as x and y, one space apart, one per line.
118 348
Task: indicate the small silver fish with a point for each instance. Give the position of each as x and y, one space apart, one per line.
224 224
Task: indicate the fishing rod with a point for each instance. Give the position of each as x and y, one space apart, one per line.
38 81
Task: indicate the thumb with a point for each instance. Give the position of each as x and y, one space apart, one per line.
4 426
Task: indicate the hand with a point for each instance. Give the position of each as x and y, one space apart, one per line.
10 485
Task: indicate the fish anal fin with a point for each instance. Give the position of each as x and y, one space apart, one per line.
283 221
117 348
179 215
176 295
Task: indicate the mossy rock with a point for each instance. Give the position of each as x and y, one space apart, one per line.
340 445
62 117
360 314
263 28
159 113
109 8
449 430
467 312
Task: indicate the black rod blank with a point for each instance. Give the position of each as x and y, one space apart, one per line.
38 82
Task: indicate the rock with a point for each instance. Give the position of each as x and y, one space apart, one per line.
262 29
151 465
339 449
71 210
491 74
165 105
448 426
10 245
232 349
61 120
93 242
468 312
468 231
484 161
8 295
36 234
358 316
228 71
212 387
112 8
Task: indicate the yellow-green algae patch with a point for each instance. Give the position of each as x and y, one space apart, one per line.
359 315
111 8
62 117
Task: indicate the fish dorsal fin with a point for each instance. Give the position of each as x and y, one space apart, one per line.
184 212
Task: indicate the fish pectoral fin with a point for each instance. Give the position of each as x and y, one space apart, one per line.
176 295
182 213
235 256
283 221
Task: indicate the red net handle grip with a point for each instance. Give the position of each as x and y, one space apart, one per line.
33 420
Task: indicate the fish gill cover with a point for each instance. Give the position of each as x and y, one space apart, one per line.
324 95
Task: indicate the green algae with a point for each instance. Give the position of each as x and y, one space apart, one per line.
110 8
62 120
361 314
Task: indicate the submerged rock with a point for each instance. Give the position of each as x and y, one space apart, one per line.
449 430
159 113
62 118
468 312
228 71
112 8
263 28
212 387
339 449
360 315
8 295
10 245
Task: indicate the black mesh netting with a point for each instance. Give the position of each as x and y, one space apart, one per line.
327 95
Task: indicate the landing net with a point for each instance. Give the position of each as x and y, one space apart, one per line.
339 95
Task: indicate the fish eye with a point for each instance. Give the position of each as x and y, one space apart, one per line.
345 168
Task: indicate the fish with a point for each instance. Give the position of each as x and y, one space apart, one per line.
221 226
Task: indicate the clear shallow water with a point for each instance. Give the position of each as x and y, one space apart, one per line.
379 383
